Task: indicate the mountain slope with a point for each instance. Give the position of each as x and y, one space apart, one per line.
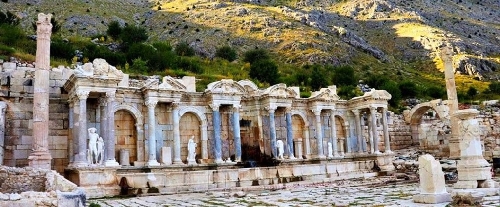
389 35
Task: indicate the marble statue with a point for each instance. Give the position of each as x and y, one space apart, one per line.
191 158
330 150
100 150
281 148
93 149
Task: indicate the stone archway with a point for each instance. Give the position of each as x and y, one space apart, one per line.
189 126
137 127
125 134
298 130
428 124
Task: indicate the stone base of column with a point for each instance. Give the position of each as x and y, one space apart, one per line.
177 162
192 162
40 160
432 198
152 163
219 161
78 164
111 163
454 147
388 152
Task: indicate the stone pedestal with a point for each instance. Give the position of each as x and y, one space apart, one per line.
384 161
124 157
472 167
166 156
432 185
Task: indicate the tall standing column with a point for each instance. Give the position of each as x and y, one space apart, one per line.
81 130
333 131
110 127
103 102
386 131
373 112
217 130
272 132
289 134
359 135
307 142
40 156
177 134
3 107
236 132
151 104
319 134
451 91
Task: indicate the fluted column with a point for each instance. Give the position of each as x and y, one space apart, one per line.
217 148
373 112
386 131
359 135
151 104
307 142
177 134
236 133
110 127
289 134
272 132
40 156
140 141
333 131
3 107
81 127
319 134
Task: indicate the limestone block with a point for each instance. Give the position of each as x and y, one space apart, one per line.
124 82
56 73
431 175
9 66
432 198
124 157
166 155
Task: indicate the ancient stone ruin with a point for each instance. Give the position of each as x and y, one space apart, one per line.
111 134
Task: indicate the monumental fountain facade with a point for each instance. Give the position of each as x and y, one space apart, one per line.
148 123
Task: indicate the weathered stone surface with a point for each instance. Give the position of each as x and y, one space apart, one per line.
432 185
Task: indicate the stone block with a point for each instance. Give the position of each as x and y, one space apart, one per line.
166 156
21 154
9 66
432 198
56 73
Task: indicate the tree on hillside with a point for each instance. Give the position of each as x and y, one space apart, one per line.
226 52
183 49
408 89
472 92
494 87
114 30
264 71
132 35
344 76
255 55
393 89
318 78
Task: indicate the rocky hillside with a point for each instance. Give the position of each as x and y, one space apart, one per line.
398 34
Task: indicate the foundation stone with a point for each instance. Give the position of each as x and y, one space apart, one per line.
432 185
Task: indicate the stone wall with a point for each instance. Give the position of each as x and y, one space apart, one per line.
16 90
37 187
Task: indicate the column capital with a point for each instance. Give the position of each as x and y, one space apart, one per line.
82 94
151 103
317 112
110 95
103 101
175 105
214 107
373 108
270 109
356 112
236 108
288 109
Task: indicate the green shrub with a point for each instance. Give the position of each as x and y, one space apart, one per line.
393 89
114 30
435 92
226 52
10 35
189 64
183 49
344 76
408 89
132 35
255 55
62 49
318 78
265 71
139 66
494 87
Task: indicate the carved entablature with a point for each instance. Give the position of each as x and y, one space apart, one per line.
250 87
226 87
98 69
170 83
280 91
326 94
373 98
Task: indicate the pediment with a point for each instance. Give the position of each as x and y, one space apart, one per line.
280 91
99 68
225 86
326 94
